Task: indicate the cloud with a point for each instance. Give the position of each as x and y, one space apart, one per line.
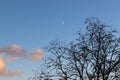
36 55
5 72
11 58
15 52
2 64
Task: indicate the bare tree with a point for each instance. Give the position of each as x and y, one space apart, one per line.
56 59
102 48
94 54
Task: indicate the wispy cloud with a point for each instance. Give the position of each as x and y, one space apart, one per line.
2 64
15 52
5 72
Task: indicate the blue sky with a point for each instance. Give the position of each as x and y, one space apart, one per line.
32 23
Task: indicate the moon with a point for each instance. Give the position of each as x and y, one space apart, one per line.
63 22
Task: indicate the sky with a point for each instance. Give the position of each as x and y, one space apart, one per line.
26 26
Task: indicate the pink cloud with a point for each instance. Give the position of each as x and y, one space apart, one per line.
5 72
2 64
15 52
36 55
